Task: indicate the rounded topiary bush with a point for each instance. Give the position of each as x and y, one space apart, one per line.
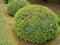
35 23
16 5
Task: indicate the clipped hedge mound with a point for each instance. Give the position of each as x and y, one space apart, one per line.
35 23
15 5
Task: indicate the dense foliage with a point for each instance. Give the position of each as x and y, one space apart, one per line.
35 23
15 5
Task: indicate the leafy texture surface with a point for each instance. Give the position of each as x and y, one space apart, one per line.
35 23
15 5
6 35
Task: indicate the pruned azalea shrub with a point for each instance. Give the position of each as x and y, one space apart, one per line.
15 5
35 23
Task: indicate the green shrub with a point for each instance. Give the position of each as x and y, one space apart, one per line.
35 23
16 5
